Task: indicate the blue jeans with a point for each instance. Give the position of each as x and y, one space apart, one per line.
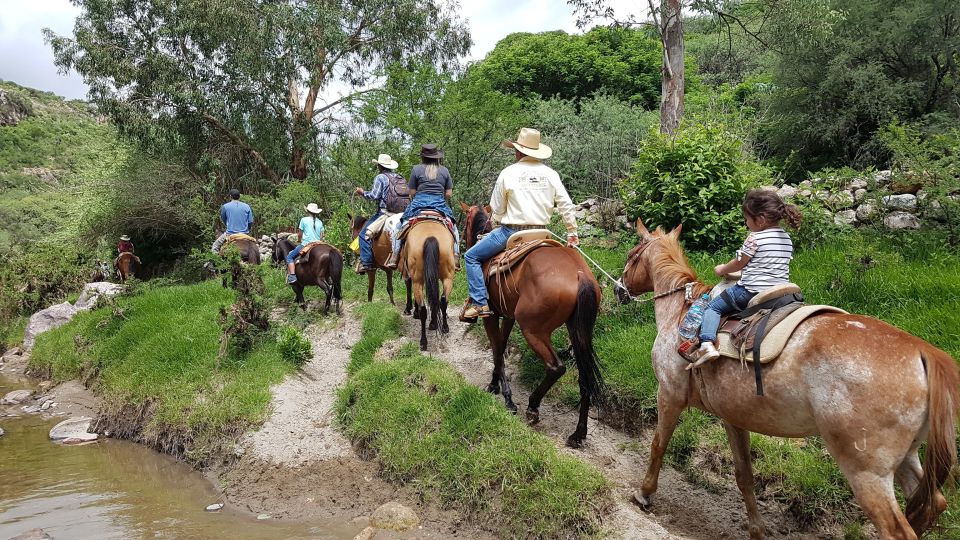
366 247
719 307
490 245
292 256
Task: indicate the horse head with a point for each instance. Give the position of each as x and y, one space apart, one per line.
638 272
476 223
356 224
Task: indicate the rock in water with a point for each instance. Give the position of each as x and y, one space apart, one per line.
394 516
215 507
2 432
33 534
16 397
73 428
366 534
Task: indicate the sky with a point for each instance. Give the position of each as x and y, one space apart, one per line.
27 60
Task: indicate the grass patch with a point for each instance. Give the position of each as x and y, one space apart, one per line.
456 445
380 323
156 353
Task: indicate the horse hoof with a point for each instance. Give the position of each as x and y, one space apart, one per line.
432 326
574 442
645 503
533 417
493 388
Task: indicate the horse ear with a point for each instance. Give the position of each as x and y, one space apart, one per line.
464 207
487 209
676 231
642 231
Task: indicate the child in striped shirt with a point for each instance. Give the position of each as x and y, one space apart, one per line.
764 259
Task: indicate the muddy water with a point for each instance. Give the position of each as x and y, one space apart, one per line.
117 489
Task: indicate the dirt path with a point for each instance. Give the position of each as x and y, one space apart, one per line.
298 465
680 510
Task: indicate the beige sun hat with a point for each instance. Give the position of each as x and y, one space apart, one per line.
313 208
528 142
384 160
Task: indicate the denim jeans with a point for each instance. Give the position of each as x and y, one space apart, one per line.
719 307
293 253
366 246
490 245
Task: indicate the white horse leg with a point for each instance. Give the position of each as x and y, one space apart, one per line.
910 471
668 414
740 448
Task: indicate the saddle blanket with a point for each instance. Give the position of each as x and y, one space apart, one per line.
513 256
237 237
304 254
425 216
386 222
776 337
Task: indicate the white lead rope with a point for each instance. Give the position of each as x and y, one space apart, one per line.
688 287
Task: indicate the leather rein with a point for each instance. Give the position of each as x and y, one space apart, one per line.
687 287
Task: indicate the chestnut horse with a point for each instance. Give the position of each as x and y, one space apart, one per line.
321 266
381 252
426 260
873 392
127 265
550 287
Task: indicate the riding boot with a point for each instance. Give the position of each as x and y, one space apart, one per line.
392 261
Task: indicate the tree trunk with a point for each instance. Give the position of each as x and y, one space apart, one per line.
256 156
298 155
671 90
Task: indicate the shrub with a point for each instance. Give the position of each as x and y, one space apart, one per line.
293 347
696 178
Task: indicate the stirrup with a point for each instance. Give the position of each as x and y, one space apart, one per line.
392 261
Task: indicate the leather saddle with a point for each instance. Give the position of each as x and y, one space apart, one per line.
519 245
304 254
426 215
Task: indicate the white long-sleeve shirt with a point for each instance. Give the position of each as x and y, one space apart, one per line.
527 192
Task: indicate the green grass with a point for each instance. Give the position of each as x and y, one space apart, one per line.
380 322
159 348
456 445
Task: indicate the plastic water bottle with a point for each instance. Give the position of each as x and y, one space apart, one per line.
691 322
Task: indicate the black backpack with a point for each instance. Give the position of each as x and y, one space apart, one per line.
397 196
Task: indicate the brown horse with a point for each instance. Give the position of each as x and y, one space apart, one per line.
249 250
873 393
426 260
127 265
321 266
381 252
551 286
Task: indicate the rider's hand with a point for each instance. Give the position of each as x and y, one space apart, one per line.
358 191
573 240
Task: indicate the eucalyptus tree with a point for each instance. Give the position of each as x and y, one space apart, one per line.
258 76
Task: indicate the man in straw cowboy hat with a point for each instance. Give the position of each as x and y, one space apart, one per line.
388 186
125 245
524 197
310 230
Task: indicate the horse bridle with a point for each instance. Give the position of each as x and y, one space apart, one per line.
635 256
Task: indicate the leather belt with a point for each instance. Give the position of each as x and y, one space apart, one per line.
523 227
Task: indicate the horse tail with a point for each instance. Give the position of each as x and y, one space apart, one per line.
924 506
336 271
580 325
431 272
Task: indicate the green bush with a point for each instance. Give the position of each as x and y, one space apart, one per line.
293 347
282 211
696 178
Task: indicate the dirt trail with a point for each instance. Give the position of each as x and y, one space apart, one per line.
680 509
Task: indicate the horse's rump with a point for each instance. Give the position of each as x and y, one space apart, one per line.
543 280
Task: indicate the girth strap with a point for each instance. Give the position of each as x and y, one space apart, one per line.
757 341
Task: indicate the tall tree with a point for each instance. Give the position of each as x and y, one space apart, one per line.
251 73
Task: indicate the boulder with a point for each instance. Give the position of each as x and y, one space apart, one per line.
395 517
882 178
366 534
806 193
806 184
47 319
2 432
33 534
901 220
73 428
858 183
859 195
904 202
867 211
769 188
92 291
16 397
787 192
845 217
839 199
589 203
12 111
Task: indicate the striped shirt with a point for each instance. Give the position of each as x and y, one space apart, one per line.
770 252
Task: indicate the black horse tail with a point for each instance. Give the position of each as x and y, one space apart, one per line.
431 273
336 271
580 326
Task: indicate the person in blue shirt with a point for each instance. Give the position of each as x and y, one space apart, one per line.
311 230
236 216
381 182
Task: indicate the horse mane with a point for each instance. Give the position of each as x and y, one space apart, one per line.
480 221
672 262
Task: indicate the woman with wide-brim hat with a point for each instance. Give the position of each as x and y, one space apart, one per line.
310 230
430 189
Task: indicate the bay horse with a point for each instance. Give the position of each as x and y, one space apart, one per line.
322 266
426 260
281 248
873 392
381 252
550 287
249 250
127 265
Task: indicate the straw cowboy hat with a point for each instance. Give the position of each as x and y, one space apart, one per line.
384 160
431 151
313 208
528 142
125 238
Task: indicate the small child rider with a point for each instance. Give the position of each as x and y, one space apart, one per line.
764 259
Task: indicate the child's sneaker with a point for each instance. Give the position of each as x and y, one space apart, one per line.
707 353
291 278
